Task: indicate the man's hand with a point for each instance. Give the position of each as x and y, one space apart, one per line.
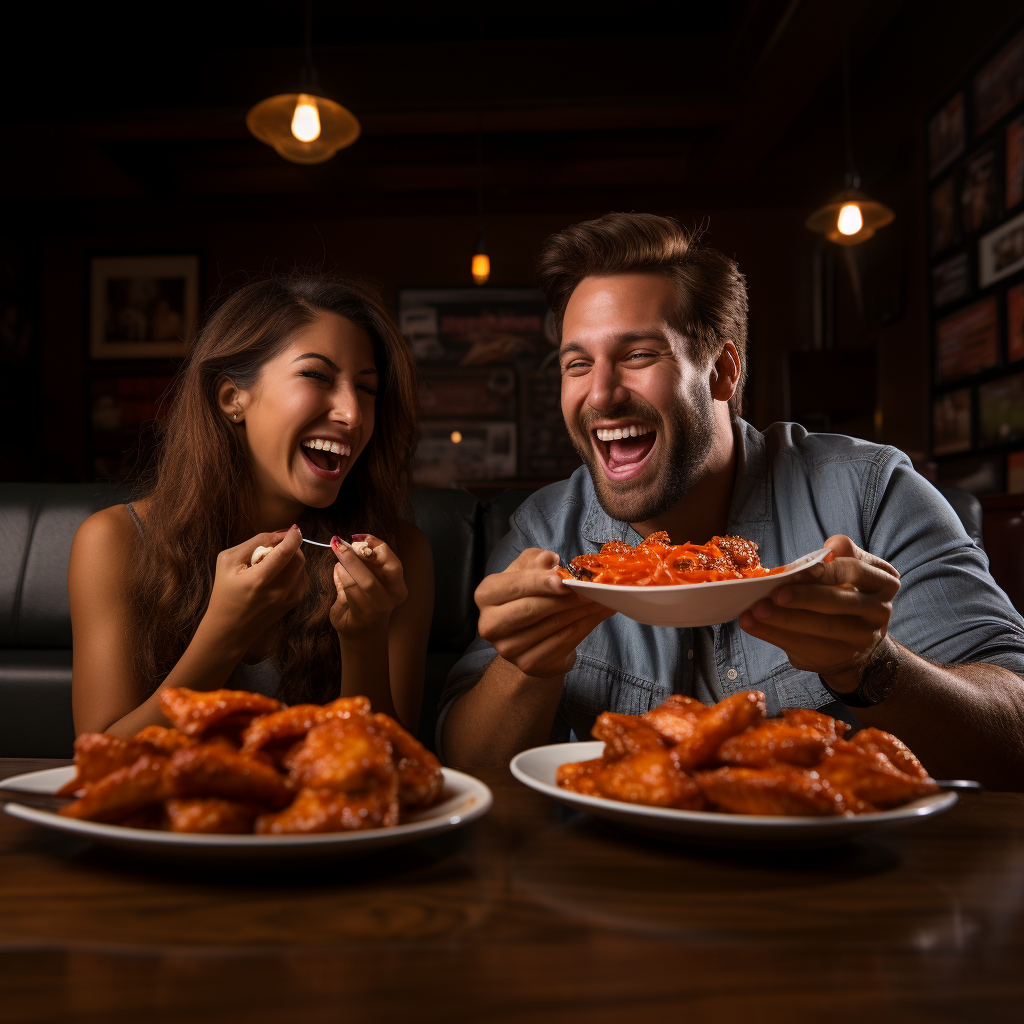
832 618
532 619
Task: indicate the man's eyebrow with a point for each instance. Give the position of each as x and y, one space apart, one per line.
626 338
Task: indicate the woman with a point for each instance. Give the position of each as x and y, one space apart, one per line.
296 406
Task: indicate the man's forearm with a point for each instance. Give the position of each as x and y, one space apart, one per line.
962 721
507 711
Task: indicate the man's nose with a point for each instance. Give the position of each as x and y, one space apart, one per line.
606 389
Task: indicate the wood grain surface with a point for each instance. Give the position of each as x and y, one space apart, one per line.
532 914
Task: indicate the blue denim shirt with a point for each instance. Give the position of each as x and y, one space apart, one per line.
793 490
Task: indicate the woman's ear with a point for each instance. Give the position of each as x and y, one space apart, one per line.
231 401
725 373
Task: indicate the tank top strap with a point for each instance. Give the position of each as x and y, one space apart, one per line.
135 517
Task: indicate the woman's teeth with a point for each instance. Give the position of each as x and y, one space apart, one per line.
620 432
322 444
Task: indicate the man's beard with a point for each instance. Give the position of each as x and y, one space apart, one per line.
684 444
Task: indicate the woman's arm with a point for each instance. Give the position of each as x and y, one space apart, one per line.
106 695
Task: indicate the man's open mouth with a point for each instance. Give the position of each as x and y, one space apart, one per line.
325 456
624 448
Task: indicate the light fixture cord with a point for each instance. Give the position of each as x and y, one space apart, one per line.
308 74
852 177
479 182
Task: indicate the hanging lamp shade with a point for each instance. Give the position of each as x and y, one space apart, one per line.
850 218
285 121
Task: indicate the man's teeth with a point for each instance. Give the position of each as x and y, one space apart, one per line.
325 445
620 432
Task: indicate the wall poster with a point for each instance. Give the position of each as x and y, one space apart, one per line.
951 422
946 135
968 341
1001 252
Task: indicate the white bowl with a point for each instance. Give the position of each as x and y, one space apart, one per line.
536 768
464 799
691 604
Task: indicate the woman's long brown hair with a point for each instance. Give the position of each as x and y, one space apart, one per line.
201 498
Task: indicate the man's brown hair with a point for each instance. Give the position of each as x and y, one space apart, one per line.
712 292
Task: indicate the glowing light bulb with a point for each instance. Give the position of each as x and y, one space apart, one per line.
306 119
456 437
850 219
481 268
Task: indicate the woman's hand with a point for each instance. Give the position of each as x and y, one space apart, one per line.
247 600
369 588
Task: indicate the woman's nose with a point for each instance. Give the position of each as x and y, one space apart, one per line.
347 408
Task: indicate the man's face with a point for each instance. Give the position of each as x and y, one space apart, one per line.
638 409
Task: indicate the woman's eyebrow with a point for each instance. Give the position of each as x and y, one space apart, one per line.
316 355
369 370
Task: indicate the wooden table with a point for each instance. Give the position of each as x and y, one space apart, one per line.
531 914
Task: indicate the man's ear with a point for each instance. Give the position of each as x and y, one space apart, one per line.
231 401
725 373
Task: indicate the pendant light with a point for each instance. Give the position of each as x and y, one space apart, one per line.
304 127
480 267
850 217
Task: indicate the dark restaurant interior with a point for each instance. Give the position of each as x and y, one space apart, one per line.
138 197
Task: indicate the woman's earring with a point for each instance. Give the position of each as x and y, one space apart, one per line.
234 415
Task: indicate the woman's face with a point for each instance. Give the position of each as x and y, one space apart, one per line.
310 414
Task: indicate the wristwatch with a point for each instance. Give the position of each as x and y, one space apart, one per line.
877 682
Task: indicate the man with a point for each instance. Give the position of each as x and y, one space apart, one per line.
905 625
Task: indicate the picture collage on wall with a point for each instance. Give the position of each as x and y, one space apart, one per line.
489 386
975 150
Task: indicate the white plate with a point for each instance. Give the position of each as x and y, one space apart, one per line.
691 604
536 768
464 799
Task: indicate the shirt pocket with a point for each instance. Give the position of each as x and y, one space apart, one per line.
793 688
594 686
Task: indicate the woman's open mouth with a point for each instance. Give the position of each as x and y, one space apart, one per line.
325 456
624 449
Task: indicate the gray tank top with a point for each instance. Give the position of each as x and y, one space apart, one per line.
259 677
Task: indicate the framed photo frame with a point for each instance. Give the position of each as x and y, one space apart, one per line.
1015 323
951 422
951 280
979 190
999 86
946 135
1014 162
967 341
945 216
1001 410
1001 251
142 307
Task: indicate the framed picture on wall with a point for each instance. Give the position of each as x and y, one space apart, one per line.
979 191
481 393
142 307
951 422
1015 323
946 134
968 341
1015 473
999 86
1001 252
951 280
1001 410
457 451
945 217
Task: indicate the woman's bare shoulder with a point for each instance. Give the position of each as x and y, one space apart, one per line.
106 534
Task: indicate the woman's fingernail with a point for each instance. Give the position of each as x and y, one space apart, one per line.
361 536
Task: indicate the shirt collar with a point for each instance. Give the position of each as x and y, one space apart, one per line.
751 498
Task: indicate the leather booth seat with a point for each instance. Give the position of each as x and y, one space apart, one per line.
37 524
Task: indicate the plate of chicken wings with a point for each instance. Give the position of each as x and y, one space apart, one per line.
726 774
240 775
683 585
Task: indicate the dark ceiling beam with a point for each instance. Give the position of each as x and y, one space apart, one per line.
800 59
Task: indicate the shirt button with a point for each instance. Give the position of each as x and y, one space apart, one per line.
689 655
732 673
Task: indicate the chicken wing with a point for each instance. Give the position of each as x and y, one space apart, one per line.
777 790
196 712
649 777
326 810
97 755
122 792
581 776
210 770
724 719
625 734
343 754
161 740
831 728
211 815
899 754
280 729
870 780
420 779
774 743
346 707
674 718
